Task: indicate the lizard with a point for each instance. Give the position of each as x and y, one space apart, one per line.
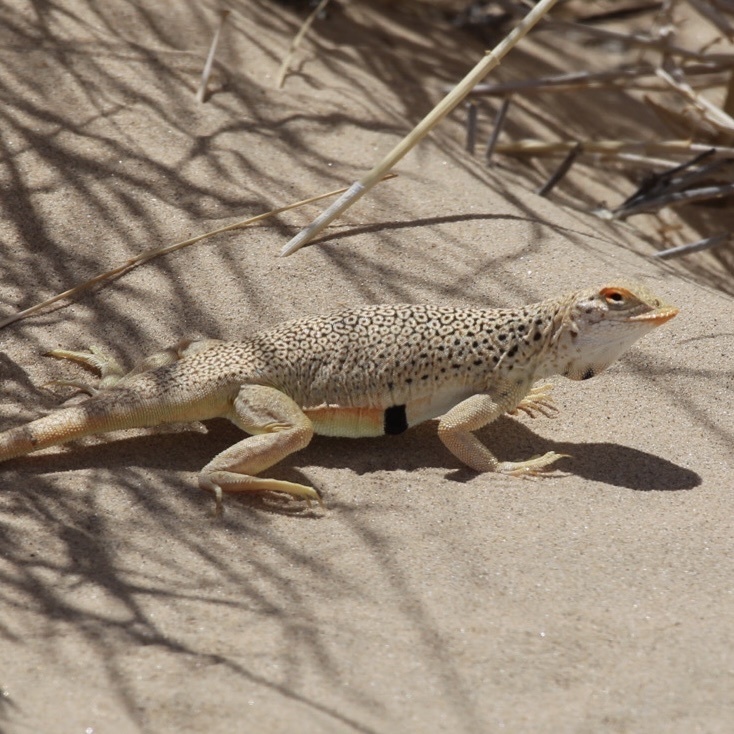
364 371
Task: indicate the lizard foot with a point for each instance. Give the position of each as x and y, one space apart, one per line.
537 402
223 481
534 467
95 359
81 386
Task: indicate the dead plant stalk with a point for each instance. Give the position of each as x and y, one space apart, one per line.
443 108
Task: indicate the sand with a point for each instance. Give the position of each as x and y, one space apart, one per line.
423 597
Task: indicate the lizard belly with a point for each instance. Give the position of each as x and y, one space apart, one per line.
362 422
336 420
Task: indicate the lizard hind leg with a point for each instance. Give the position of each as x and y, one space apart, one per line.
278 427
111 372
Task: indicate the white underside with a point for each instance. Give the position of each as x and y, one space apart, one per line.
426 409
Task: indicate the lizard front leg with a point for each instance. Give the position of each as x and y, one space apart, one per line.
279 428
455 430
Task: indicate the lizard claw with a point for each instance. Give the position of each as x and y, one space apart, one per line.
534 467
537 402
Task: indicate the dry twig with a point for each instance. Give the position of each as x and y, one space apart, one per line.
611 148
201 91
683 184
359 188
583 80
296 42
661 44
499 122
704 244
150 254
713 16
676 198
717 117
560 172
471 127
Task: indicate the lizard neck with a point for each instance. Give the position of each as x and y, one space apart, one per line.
560 351
533 341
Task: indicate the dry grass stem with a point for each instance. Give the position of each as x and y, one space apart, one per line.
623 13
561 171
611 148
296 42
645 161
728 106
713 114
201 91
675 178
705 244
499 122
713 16
674 69
583 80
683 122
443 108
677 198
471 127
660 44
150 254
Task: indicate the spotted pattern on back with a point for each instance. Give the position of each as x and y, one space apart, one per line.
384 355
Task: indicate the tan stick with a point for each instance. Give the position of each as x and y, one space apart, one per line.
705 244
660 44
560 172
201 92
499 123
608 147
449 102
713 16
583 80
297 40
676 198
150 254
710 111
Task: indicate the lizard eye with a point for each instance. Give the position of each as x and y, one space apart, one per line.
615 296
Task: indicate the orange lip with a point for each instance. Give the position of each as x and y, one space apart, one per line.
659 316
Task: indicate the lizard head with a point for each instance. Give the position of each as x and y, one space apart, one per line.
601 324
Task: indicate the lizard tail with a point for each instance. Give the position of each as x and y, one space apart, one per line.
66 425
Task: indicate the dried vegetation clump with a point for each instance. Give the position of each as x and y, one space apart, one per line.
660 73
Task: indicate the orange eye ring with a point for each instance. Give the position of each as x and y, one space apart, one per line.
615 296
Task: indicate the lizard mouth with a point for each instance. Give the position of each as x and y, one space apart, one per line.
658 316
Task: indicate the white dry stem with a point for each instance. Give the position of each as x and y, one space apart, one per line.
201 91
295 43
443 108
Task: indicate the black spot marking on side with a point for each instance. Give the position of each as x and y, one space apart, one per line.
395 421
588 374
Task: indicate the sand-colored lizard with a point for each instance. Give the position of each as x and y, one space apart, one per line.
361 372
